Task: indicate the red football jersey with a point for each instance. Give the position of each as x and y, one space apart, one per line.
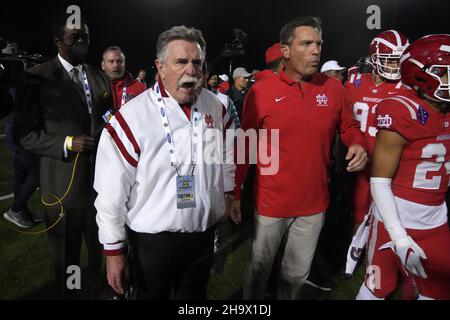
364 95
423 172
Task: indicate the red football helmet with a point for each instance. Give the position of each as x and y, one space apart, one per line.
425 66
385 47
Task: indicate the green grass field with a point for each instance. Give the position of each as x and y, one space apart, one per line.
26 269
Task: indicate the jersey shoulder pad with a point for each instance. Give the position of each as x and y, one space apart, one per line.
401 114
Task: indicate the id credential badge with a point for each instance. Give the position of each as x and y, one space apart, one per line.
185 192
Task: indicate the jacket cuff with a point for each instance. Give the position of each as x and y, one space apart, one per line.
112 249
113 252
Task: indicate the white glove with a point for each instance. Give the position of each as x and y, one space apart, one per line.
409 253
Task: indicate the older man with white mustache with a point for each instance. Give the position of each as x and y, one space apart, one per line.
155 182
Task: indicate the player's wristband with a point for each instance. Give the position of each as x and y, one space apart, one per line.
69 143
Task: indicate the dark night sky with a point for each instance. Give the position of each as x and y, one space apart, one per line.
135 24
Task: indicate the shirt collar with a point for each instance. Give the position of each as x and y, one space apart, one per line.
68 66
161 88
285 78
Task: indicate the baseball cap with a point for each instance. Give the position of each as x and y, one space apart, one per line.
223 77
273 53
241 72
331 65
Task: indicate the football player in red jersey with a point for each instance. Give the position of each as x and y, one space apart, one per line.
365 91
410 176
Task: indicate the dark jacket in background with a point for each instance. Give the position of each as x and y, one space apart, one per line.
238 99
50 108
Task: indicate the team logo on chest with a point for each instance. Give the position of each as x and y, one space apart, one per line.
209 121
322 100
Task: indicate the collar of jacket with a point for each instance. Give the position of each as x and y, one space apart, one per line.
127 78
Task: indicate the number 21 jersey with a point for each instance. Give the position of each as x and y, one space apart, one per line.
423 172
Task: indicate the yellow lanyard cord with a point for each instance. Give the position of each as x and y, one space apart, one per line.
68 188
59 201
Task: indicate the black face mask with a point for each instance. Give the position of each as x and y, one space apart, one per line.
78 52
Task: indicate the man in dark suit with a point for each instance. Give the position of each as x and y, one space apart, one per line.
59 117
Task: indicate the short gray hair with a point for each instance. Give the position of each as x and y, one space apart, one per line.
179 33
113 48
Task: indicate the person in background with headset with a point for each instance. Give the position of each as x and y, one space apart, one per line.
58 116
123 86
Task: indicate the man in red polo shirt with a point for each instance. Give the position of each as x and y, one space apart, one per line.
300 110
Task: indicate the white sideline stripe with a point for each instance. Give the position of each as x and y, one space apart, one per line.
2 135
8 196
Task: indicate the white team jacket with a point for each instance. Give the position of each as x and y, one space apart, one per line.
135 181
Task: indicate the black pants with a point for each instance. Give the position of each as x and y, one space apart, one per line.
65 247
169 261
26 178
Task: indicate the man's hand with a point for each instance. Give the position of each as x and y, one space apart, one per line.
410 255
235 213
117 272
358 157
83 143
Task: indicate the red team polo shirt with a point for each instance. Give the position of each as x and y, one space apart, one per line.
307 114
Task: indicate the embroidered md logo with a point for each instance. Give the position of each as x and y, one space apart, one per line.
384 121
322 100
209 121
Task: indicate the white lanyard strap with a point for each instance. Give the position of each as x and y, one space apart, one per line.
87 90
169 136
124 94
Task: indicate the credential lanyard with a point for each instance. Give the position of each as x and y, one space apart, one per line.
87 90
124 94
169 136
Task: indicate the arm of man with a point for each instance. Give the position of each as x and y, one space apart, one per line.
351 136
115 172
29 129
386 157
